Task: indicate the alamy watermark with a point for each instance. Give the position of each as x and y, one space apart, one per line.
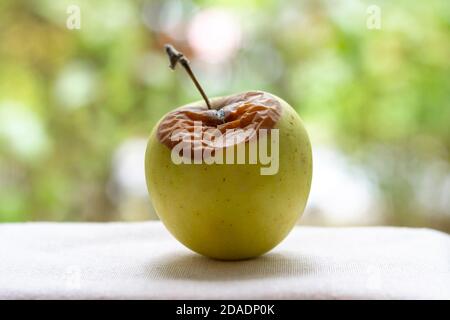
74 17
72 277
373 21
211 146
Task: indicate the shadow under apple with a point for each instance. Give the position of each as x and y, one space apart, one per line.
190 266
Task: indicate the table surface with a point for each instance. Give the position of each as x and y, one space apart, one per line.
143 261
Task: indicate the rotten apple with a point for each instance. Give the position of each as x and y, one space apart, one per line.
229 176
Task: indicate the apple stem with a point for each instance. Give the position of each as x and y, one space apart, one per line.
175 56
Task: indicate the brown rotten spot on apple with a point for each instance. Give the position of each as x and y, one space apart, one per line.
242 114
237 118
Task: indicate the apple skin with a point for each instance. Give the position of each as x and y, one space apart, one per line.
231 211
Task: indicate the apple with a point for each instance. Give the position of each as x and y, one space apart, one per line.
222 209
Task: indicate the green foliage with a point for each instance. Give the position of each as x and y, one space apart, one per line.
69 98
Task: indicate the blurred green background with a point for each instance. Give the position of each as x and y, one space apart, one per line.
77 105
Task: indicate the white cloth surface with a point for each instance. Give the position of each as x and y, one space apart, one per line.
143 261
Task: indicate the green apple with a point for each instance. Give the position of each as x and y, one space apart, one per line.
231 211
